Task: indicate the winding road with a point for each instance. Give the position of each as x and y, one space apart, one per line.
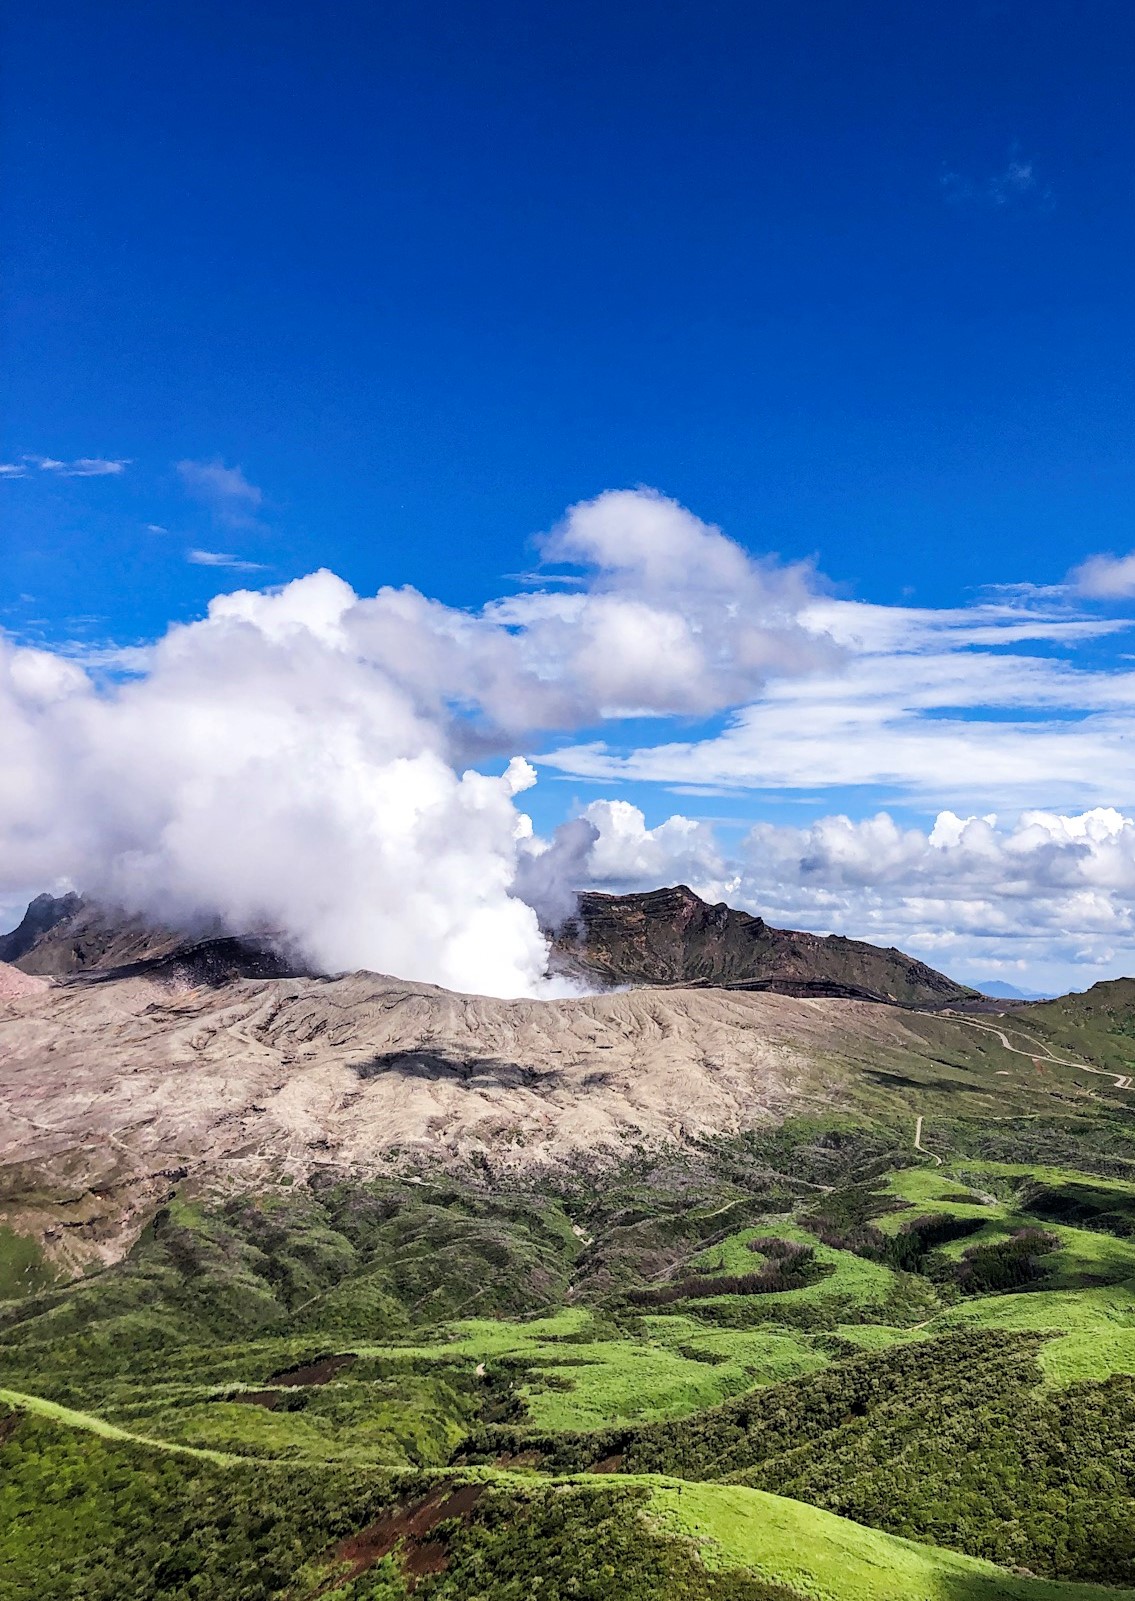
1036 1053
1121 1081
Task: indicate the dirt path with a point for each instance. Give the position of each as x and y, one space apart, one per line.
1121 1081
918 1145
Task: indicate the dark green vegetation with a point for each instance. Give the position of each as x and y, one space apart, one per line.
953 1440
1096 1027
104 1521
809 1361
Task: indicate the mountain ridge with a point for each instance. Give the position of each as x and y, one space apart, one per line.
672 936
668 936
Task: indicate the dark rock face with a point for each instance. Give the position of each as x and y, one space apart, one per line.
43 914
66 937
63 935
671 936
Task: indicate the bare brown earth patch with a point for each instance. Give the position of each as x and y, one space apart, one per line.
609 1464
321 1371
405 1527
268 1399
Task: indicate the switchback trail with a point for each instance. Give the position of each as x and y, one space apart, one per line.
918 1145
1038 1053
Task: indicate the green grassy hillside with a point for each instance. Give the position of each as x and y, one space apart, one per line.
812 1361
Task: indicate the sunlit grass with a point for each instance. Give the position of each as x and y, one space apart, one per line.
674 1367
823 1557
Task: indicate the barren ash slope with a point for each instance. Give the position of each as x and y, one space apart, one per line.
152 1054
770 1273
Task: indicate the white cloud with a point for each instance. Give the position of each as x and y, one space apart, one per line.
628 855
298 759
938 707
260 773
295 759
218 558
1041 890
227 493
1015 183
83 467
1105 577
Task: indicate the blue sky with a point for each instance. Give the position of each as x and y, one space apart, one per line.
850 281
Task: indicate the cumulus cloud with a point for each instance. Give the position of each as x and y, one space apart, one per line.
1041 889
626 855
633 640
1105 577
307 760
298 759
228 494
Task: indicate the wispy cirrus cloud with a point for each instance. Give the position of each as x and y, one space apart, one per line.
972 706
228 494
220 558
80 467
1016 183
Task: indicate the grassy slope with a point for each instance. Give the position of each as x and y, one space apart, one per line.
1096 1027
429 1285
227 1528
1093 1325
828 1558
675 1366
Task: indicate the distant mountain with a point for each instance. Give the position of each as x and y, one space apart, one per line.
1000 991
66 936
63 934
672 936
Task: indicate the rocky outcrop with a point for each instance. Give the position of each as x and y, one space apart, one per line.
66 937
671 936
63 934
668 936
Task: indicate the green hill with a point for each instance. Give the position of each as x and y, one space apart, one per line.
806 1363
